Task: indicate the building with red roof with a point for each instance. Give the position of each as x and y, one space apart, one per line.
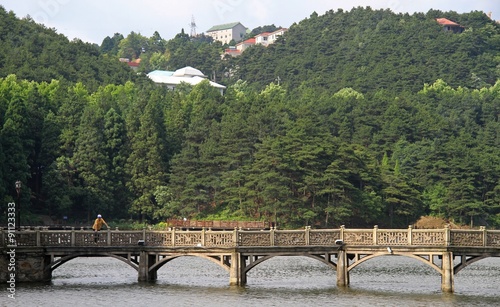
449 25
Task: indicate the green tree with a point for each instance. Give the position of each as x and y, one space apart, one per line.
146 164
133 46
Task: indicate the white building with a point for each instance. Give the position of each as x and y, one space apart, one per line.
226 32
273 36
267 38
188 74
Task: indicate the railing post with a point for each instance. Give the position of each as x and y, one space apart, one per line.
235 237
410 234
73 243
307 234
485 236
341 235
271 233
38 240
108 236
447 236
173 236
203 236
375 240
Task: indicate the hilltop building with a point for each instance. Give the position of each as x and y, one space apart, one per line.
134 64
188 74
449 25
264 39
267 38
226 32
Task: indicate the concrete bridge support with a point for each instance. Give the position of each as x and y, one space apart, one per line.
447 284
342 269
237 275
146 261
27 266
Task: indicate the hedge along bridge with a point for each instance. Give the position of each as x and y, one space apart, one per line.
447 251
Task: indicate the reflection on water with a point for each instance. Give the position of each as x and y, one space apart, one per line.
280 281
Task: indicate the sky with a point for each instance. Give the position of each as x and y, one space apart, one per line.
93 20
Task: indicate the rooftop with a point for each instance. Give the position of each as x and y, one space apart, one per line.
187 74
188 71
225 26
447 22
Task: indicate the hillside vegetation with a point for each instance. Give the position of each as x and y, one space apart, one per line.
378 119
36 53
368 50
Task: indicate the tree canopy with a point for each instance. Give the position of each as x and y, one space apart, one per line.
355 133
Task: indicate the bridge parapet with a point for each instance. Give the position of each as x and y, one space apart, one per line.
252 238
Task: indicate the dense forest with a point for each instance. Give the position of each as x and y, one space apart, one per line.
377 119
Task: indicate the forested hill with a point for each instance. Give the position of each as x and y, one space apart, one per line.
349 135
372 49
34 52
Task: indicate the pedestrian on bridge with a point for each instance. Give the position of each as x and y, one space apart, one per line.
99 221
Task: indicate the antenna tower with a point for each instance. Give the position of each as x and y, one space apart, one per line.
193 27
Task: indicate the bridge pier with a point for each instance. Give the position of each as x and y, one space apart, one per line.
342 269
447 284
146 261
31 265
237 275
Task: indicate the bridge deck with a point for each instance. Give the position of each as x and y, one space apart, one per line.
38 252
251 238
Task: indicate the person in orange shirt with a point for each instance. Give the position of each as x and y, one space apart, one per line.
99 221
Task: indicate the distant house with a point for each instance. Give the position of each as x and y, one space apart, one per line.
226 32
273 36
265 39
232 51
262 38
449 25
188 74
241 46
134 64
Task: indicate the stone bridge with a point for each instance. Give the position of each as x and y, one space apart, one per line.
32 255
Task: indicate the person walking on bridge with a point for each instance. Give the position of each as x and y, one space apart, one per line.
99 221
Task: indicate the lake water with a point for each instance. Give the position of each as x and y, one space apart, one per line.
280 281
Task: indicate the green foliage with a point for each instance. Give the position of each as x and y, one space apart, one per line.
110 45
349 49
352 133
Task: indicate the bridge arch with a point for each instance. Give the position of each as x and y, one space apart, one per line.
410 255
468 261
57 263
215 259
259 260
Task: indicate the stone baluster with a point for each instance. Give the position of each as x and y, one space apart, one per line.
447 237
485 236
108 236
236 243
307 234
271 233
410 234
73 239
38 240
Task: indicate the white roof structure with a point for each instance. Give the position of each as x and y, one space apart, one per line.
188 71
187 74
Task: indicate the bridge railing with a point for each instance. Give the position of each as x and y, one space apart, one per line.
395 237
250 238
